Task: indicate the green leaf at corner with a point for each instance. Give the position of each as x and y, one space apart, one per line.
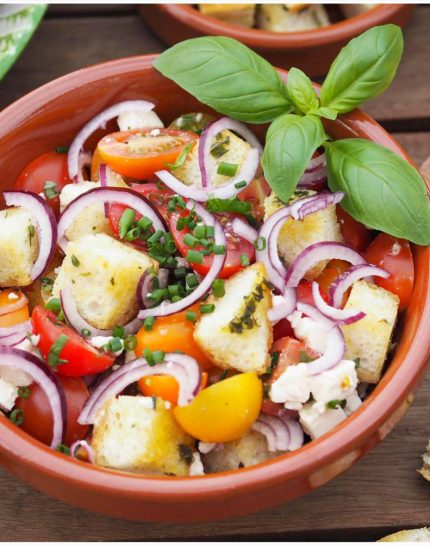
290 143
363 69
301 92
324 112
17 24
382 190
228 76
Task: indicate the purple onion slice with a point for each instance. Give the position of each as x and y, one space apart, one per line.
348 278
340 316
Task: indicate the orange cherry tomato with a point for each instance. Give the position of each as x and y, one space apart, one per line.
140 153
173 333
331 272
354 233
15 317
164 386
395 256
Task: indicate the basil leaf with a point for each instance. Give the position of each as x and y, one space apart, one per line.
363 69
324 112
290 143
228 76
382 190
18 22
300 90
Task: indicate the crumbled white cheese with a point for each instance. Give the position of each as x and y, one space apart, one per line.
206 447
99 341
34 340
293 387
310 332
8 395
353 402
336 384
196 466
12 296
315 423
127 121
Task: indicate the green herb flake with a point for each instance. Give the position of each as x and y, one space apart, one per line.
50 189
75 261
55 351
180 160
335 404
186 453
17 416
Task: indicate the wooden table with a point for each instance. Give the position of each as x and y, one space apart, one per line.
381 493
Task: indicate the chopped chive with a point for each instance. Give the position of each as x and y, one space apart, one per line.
50 190
199 232
130 343
218 288
174 289
190 240
176 298
210 231
180 160
206 308
62 448
260 243
334 404
147 354
17 416
61 149
159 294
144 223
356 362
46 284
24 392
132 234
171 262
118 331
192 281
55 351
239 185
180 272
227 169
244 260
75 261
191 316
194 257
31 231
205 242
158 356
125 222
85 332
156 236
54 304
115 345
181 223
148 323
61 316
219 249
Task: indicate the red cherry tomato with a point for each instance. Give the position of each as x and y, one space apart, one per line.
304 293
82 358
282 328
38 416
354 233
236 246
255 194
395 256
51 167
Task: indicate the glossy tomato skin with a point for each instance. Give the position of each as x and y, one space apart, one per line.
51 166
304 293
38 420
353 232
395 256
255 194
333 269
140 159
236 246
82 358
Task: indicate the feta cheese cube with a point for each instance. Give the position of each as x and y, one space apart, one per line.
293 387
315 423
336 384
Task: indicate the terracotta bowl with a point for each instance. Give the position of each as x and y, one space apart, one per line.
51 116
313 50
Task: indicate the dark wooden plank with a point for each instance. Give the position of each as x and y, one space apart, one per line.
76 10
68 43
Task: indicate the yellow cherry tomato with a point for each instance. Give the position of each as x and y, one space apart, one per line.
224 411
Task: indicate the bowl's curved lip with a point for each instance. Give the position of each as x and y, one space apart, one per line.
335 32
343 440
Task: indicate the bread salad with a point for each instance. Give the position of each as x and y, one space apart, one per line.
184 300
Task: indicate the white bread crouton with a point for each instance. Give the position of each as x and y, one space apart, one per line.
249 450
281 18
235 150
238 334
139 434
92 219
236 14
316 422
18 246
410 535
104 279
369 338
425 469
296 235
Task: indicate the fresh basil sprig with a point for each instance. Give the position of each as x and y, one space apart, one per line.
227 76
301 91
382 190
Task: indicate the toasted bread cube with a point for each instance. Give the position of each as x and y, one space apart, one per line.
296 235
228 147
425 469
410 535
92 219
139 434
104 279
369 338
238 334
236 14
249 450
316 422
281 18
18 247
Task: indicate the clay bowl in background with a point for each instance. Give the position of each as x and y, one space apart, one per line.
50 117
312 50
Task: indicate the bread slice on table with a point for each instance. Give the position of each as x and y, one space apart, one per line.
410 535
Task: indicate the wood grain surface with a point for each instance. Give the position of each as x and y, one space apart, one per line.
380 494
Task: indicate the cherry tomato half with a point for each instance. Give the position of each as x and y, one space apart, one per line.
395 256
333 269
49 167
236 246
15 317
82 358
140 153
38 416
255 194
354 233
164 386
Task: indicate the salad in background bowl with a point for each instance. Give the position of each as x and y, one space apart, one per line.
209 308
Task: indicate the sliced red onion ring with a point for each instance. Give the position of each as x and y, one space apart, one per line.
124 196
283 305
246 174
340 316
316 163
311 255
14 305
48 382
348 278
302 208
103 184
297 436
182 367
282 433
13 335
85 446
244 230
46 226
78 323
167 308
95 123
335 350
210 132
315 173
144 286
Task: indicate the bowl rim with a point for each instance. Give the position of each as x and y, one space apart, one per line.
304 39
342 441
